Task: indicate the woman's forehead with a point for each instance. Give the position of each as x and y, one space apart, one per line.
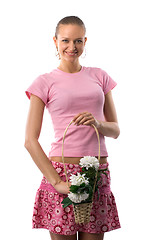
71 30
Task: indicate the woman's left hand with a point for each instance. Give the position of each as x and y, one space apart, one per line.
86 118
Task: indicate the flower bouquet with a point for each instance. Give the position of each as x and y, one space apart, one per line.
83 185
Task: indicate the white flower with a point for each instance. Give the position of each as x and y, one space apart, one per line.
78 179
78 197
89 161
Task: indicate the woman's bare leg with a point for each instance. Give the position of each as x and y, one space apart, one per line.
90 236
63 237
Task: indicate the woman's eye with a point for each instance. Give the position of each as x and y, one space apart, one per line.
65 40
79 41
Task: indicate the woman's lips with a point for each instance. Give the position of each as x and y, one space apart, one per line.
71 53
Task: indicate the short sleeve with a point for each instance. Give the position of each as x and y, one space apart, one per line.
107 82
39 88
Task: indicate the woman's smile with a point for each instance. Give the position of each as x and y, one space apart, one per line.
71 53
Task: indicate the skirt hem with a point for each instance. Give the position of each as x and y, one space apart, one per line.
45 228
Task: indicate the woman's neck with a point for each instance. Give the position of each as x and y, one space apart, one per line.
70 67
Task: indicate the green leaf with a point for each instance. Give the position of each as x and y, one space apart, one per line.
66 202
90 191
83 170
105 169
82 185
82 190
105 174
74 188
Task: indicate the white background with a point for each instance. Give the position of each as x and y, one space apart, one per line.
123 39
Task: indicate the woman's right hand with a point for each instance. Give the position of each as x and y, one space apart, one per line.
62 187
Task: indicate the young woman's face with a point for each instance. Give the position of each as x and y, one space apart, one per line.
70 42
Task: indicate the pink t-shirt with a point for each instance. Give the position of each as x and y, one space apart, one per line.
67 94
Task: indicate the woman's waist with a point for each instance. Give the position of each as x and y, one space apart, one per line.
74 160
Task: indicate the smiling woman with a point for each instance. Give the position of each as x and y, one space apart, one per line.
70 41
72 92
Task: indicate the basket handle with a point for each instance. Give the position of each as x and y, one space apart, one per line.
63 144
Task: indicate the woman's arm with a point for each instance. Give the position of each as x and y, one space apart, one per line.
33 128
110 127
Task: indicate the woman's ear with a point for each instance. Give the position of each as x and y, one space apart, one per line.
85 40
55 40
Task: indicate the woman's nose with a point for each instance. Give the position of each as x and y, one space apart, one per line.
72 46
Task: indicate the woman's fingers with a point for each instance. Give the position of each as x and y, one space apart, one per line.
62 187
82 117
85 118
78 115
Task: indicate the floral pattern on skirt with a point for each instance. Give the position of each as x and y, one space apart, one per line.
49 214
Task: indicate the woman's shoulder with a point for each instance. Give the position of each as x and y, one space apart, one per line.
47 76
96 71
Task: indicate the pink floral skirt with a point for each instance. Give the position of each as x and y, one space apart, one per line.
49 214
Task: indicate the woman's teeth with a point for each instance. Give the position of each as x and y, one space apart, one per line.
71 53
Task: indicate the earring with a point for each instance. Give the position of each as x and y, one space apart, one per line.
57 53
84 53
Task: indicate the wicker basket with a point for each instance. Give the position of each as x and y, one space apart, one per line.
82 211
